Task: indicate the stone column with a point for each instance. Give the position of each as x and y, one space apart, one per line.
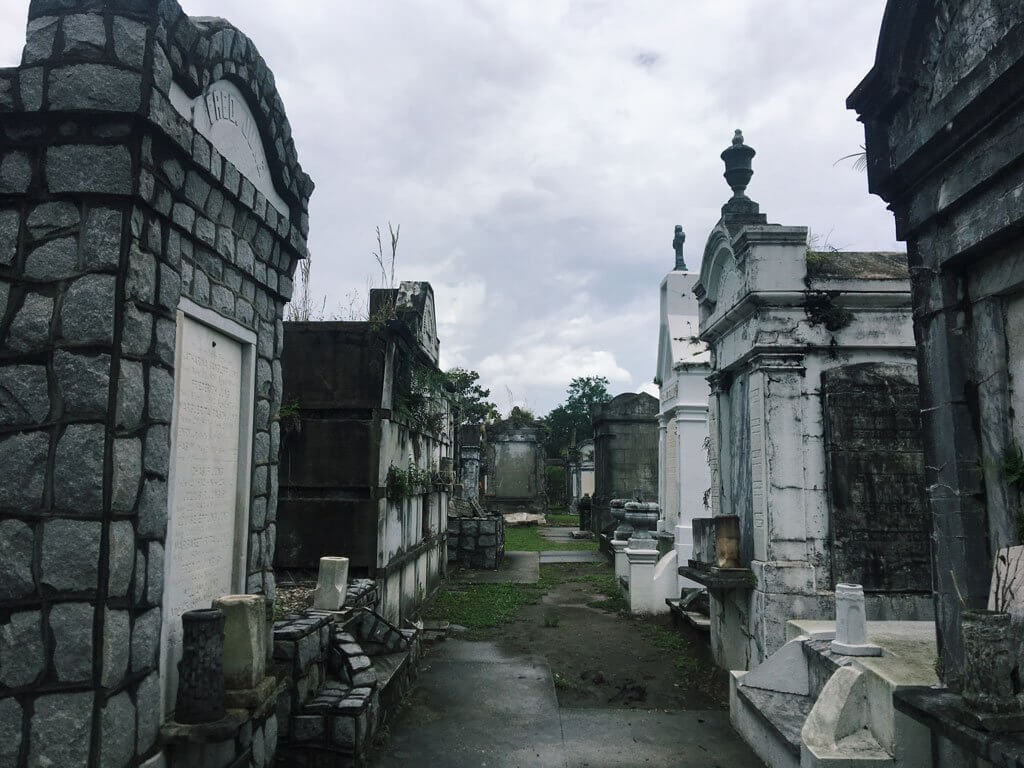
201 669
245 638
662 474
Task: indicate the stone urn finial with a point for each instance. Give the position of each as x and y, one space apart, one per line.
738 166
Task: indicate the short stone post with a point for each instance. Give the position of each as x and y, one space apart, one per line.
851 624
201 669
684 553
331 584
641 558
245 638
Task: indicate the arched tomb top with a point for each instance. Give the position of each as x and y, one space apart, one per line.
230 93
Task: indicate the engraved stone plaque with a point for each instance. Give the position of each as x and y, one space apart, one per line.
513 470
880 523
202 549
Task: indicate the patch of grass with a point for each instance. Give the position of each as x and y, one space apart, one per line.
559 519
528 539
551 621
567 683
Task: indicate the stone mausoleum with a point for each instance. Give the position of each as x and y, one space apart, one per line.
945 147
625 455
366 464
152 212
817 471
682 370
513 457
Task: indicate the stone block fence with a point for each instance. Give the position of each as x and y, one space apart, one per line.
476 542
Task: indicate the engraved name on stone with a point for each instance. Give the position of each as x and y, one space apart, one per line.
223 116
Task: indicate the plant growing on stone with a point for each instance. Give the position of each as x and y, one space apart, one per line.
1013 471
288 417
386 312
420 394
403 483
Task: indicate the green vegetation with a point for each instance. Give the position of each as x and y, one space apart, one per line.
567 520
528 539
403 483
570 423
470 399
555 484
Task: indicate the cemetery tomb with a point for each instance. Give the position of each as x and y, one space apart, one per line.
361 461
152 210
514 458
941 110
815 437
625 455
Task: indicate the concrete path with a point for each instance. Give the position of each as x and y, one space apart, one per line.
516 568
473 706
572 556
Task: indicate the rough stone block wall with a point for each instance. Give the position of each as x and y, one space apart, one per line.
112 207
476 542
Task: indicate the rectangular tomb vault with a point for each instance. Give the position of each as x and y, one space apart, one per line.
209 478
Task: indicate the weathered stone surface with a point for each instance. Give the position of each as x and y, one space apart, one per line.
155 573
141 281
131 395
5 293
39 39
122 558
116 646
101 238
16 551
95 87
129 41
54 260
88 311
146 640
84 35
158 448
24 398
21 649
147 700
127 473
78 470
117 731
71 625
30 81
86 168
153 509
8 236
23 468
15 172
11 728
30 328
71 555
84 381
161 394
137 332
166 331
49 218
170 288
61 730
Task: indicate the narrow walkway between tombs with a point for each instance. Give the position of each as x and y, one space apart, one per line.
539 664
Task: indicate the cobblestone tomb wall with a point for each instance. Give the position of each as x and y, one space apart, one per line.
152 211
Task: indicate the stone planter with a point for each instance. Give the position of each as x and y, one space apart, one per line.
992 660
643 516
624 530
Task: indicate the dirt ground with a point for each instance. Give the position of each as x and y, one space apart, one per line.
601 658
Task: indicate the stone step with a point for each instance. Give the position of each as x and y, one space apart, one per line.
781 715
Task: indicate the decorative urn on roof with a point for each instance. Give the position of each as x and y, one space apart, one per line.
738 164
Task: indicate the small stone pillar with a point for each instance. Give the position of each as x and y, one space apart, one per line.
851 625
332 584
245 639
621 564
201 669
585 507
641 556
684 553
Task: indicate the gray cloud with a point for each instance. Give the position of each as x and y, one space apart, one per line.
538 154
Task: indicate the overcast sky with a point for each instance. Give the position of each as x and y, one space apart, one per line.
538 154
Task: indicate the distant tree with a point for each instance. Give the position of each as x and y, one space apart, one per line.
470 398
572 419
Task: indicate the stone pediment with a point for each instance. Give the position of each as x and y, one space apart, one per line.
222 114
